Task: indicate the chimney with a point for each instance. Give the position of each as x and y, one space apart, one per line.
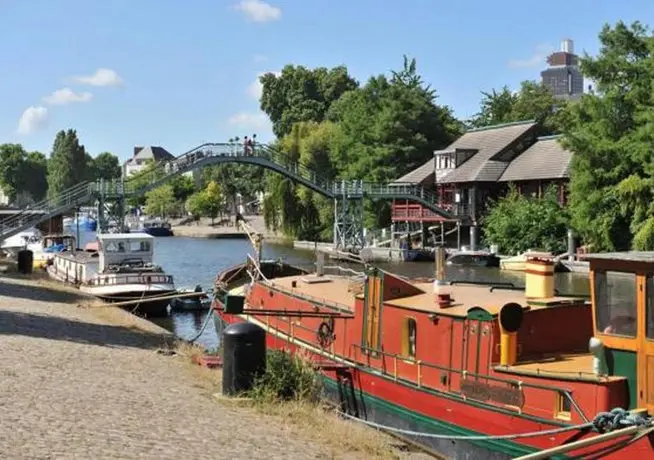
567 46
539 275
441 289
137 150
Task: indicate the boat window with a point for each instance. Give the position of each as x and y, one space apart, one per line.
615 303
650 308
113 246
563 406
139 246
409 337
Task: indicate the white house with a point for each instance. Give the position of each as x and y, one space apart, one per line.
143 155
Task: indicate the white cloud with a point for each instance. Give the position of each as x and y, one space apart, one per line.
33 119
259 11
101 77
255 88
67 96
250 121
539 58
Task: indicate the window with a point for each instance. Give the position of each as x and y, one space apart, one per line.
139 246
409 338
649 314
563 406
615 303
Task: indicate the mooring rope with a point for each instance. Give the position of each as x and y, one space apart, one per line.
615 420
207 320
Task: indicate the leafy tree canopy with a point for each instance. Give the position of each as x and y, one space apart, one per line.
68 162
533 101
160 201
208 202
105 166
23 175
611 135
302 94
517 223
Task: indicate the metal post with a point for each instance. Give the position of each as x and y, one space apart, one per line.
571 245
473 237
77 224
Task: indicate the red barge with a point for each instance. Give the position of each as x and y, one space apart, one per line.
471 371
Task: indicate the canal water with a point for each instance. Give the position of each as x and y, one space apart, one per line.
194 261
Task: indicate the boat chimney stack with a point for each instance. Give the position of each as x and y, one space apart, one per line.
539 275
510 319
441 290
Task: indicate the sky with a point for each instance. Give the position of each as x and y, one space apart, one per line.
178 74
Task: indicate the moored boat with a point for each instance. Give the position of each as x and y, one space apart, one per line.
199 303
51 244
441 362
122 268
473 259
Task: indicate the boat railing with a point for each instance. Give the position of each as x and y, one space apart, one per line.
370 354
145 278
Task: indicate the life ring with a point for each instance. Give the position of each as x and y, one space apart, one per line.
326 334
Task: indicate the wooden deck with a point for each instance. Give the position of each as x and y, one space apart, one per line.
330 289
578 367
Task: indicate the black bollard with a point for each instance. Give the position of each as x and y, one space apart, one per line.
25 261
244 357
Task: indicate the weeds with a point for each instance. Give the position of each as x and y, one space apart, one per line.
288 377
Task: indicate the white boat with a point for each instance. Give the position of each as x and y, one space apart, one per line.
28 239
518 263
50 245
121 269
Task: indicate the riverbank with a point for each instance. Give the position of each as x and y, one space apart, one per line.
101 383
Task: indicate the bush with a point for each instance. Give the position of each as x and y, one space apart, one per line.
288 377
517 223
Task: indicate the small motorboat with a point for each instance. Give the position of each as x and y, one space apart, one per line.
194 303
473 259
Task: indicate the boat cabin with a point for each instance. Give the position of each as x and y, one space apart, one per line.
59 242
125 250
554 357
622 287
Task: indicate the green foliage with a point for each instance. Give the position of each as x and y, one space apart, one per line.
287 377
517 223
533 101
68 162
611 134
292 208
183 187
301 94
105 166
160 201
235 178
209 202
141 179
23 176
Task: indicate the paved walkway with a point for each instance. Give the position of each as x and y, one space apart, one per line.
75 386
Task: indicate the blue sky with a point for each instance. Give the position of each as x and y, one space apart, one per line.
177 74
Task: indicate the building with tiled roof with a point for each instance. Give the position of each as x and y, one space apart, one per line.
477 167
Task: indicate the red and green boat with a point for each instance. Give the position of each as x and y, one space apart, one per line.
469 370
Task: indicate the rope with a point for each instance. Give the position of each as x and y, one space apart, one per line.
204 325
616 419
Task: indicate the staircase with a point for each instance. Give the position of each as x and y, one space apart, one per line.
44 210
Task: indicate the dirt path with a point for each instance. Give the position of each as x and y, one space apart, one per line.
74 384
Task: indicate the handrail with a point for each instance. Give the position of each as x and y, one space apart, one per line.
464 373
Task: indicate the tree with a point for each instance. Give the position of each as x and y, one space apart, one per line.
610 133
517 223
208 202
182 186
160 201
292 208
22 175
301 94
534 101
234 179
68 162
389 127
105 166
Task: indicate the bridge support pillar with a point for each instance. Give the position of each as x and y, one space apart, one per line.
473 237
348 224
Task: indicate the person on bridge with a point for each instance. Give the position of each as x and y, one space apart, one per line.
246 146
